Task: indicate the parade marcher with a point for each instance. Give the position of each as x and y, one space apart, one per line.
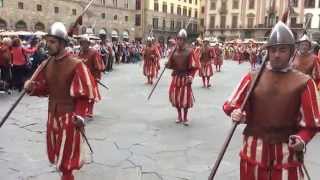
150 61
197 48
92 59
171 46
184 67
39 55
103 49
242 53
253 56
305 60
206 71
69 85
237 54
281 115
218 59
158 57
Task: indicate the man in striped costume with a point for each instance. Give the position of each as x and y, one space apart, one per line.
305 61
151 57
253 56
69 85
184 66
281 115
218 59
206 70
93 60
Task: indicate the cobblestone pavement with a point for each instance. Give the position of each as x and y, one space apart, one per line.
132 138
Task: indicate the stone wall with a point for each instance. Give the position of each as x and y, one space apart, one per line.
114 20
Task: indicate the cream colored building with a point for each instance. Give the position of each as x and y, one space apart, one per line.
116 17
229 19
313 7
164 18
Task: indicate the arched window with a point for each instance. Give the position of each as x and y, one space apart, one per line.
3 24
125 34
114 33
21 26
39 26
103 31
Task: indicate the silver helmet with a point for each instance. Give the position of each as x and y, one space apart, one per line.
206 39
304 38
280 34
84 38
182 34
58 30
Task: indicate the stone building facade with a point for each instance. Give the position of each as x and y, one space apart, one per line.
116 17
313 7
164 18
229 19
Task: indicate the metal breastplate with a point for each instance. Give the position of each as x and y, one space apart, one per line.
274 106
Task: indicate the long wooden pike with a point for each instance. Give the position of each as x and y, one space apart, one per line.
79 19
188 22
86 8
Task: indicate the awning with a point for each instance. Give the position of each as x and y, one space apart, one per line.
102 31
114 34
125 35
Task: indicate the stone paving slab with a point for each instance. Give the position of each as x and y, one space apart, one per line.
132 138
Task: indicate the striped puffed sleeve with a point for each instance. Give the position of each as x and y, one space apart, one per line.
238 95
309 112
83 89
